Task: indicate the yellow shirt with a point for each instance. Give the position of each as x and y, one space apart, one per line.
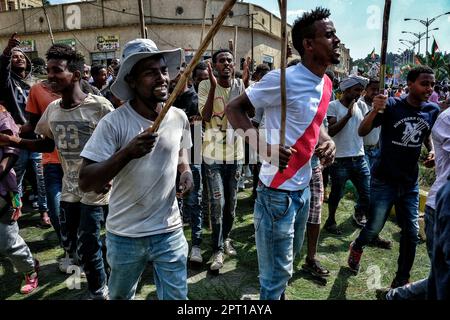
219 142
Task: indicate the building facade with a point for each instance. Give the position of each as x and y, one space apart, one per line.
10 5
342 69
99 29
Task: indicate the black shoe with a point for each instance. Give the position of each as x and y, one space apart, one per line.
381 243
398 283
314 267
382 293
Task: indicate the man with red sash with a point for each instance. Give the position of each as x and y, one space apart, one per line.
282 204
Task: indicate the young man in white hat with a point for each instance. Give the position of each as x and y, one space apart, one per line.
144 222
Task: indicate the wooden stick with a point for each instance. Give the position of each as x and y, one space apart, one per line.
185 75
384 42
283 10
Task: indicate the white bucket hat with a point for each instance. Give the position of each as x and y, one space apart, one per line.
133 52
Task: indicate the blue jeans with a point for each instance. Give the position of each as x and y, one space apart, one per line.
418 289
20 168
406 201
355 169
53 185
128 258
371 153
280 223
222 182
80 231
192 205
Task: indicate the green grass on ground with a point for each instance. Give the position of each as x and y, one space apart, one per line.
239 277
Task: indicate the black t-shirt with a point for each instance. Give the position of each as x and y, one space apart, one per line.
403 130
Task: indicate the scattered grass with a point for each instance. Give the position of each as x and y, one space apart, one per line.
239 277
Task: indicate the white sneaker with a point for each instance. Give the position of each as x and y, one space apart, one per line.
102 294
217 261
228 248
64 263
196 255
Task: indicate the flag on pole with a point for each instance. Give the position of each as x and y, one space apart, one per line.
372 54
434 48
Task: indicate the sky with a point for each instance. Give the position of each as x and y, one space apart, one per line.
359 22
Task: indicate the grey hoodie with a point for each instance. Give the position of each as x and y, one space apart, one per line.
14 89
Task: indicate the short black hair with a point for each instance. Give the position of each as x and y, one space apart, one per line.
59 51
200 66
293 62
214 57
373 80
330 74
304 27
414 73
95 69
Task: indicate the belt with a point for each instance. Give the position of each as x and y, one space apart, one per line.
274 189
350 158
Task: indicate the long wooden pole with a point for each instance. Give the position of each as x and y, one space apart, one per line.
185 75
48 23
283 10
141 18
384 43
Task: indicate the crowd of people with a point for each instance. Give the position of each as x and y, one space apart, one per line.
84 130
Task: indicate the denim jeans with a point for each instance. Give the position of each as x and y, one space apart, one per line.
355 169
80 231
418 289
53 185
280 222
406 201
222 182
192 205
20 168
128 258
371 153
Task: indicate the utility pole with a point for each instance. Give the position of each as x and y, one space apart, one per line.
205 3
253 37
212 40
48 23
142 19
235 42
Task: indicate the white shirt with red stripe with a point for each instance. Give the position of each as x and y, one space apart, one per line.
307 102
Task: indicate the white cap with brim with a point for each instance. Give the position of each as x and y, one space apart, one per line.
133 52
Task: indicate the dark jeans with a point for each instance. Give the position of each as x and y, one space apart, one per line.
80 231
53 174
418 289
406 201
35 159
192 205
355 169
222 182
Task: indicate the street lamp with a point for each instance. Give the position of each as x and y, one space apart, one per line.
427 23
419 36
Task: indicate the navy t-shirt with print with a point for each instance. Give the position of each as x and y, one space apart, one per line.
403 130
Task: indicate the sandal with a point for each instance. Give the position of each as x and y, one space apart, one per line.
45 221
333 229
314 267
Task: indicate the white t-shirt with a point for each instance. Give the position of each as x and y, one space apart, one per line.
71 129
441 141
143 201
373 137
307 100
348 142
